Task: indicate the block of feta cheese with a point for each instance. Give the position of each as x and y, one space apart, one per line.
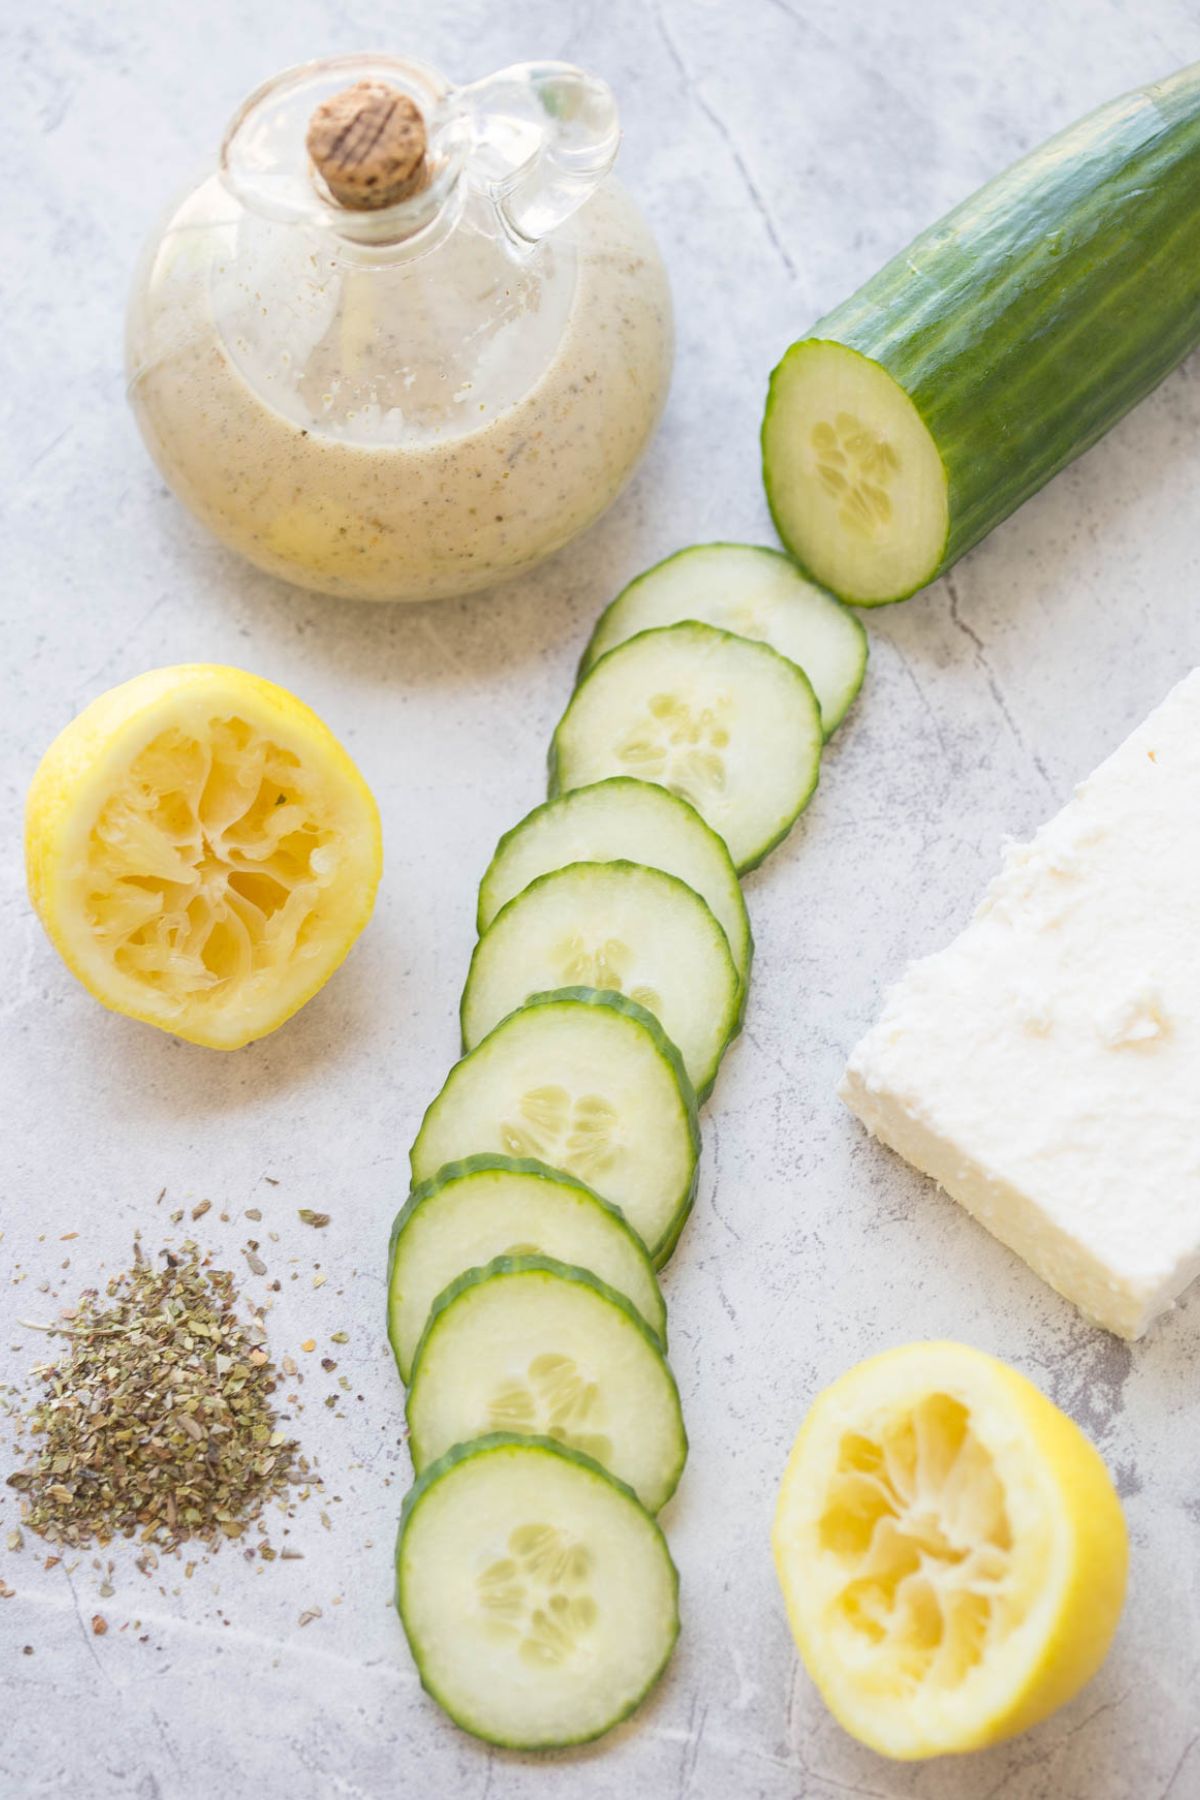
1044 1069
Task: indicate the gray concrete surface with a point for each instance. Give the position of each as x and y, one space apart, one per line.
782 149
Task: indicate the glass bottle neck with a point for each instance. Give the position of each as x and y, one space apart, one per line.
536 140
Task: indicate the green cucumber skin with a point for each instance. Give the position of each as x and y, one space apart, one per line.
488 1163
555 789
589 659
1035 315
735 1019
501 1266
660 1254
493 1443
615 781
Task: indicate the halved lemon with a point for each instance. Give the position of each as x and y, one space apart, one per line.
201 852
951 1550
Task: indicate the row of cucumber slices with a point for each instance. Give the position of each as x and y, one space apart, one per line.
553 1172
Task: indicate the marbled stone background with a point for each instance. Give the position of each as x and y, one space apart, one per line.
783 149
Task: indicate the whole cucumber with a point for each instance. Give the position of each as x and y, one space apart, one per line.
993 351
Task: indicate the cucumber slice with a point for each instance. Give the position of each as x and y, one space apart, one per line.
589 1083
538 1597
756 593
619 927
489 1206
621 819
725 723
536 1346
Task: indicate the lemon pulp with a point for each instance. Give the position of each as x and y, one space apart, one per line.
917 1519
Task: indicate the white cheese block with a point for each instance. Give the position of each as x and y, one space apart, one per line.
1045 1067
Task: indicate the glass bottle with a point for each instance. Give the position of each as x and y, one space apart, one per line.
407 339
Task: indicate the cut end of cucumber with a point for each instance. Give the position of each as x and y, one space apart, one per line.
854 479
538 1597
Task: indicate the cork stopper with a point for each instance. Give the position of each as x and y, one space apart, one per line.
368 144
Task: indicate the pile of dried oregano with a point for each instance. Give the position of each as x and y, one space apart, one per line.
156 1421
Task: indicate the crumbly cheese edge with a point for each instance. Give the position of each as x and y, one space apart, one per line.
1062 1260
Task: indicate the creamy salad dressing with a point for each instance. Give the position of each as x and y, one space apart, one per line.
497 415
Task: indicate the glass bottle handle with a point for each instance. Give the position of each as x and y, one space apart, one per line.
544 137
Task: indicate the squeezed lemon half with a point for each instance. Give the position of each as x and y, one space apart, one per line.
201 852
951 1550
